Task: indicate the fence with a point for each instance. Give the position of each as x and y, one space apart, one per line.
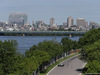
54 60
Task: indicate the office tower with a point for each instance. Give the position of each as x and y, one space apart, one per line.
86 24
81 22
18 18
70 22
52 21
93 25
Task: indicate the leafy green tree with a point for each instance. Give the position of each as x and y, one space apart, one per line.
75 45
29 53
91 52
90 37
41 56
94 67
29 65
7 57
26 66
67 44
44 51
52 47
1 70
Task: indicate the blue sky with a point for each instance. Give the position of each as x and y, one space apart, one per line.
45 9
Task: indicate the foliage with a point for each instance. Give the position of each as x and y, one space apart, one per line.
44 51
41 56
52 47
29 65
94 67
91 50
42 34
7 57
90 37
91 54
68 44
14 63
47 50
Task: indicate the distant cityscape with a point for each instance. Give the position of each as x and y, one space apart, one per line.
19 22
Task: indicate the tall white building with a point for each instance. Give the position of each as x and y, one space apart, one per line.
52 21
18 18
70 22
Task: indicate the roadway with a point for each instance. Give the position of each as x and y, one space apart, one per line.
72 66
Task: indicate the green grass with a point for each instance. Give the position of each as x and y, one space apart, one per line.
52 66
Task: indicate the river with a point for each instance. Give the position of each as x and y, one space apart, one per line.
25 42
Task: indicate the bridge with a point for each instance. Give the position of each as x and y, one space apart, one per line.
42 32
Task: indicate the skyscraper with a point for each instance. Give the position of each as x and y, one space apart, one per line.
70 22
52 21
81 22
18 18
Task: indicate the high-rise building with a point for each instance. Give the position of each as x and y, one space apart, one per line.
86 24
52 21
18 18
93 25
70 22
81 22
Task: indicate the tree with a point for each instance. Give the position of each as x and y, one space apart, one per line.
41 56
44 51
90 37
91 52
29 65
7 56
94 67
29 53
66 44
52 47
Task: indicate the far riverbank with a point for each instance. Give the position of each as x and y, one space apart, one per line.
42 33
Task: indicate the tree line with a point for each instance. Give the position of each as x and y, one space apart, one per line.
41 34
90 52
14 63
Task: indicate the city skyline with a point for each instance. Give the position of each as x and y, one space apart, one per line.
45 9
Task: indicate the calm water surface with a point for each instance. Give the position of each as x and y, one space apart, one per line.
28 41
